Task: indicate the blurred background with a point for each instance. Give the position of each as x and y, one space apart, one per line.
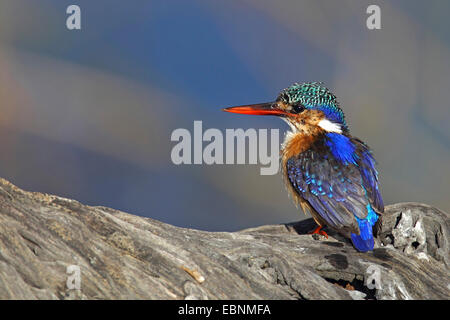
88 114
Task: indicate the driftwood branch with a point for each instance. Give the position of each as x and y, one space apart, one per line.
122 256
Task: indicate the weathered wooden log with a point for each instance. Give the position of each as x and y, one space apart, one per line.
122 256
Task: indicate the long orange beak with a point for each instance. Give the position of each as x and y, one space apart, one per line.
262 109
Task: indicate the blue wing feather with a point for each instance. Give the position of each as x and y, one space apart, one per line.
330 188
369 177
338 179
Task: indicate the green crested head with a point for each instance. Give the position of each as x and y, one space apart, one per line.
313 95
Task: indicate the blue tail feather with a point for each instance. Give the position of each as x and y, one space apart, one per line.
364 241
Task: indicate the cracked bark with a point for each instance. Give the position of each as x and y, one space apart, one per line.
122 256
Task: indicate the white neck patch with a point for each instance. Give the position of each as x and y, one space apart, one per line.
329 126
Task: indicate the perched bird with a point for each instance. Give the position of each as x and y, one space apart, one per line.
330 173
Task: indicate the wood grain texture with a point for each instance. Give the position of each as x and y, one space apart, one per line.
123 256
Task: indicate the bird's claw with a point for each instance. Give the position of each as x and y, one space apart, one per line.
319 231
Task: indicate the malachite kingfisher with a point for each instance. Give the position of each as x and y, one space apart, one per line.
330 173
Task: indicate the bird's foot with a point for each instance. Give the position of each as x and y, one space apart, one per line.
319 230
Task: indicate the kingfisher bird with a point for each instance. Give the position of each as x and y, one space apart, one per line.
330 173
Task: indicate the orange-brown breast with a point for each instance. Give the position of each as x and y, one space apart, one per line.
308 131
298 142
296 145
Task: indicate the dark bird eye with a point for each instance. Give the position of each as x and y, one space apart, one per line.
297 108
